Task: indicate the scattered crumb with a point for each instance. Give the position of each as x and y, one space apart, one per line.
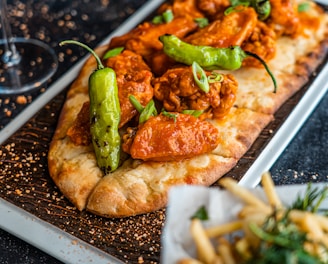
8 113
21 99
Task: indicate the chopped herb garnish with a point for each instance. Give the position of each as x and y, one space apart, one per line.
149 110
136 103
200 77
170 115
262 7
166 17
239 2
195 113
312 199
283 243
201 21
201 214
237 8
113 52
303 7
215 77
157 20
145 112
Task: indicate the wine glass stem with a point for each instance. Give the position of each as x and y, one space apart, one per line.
11 56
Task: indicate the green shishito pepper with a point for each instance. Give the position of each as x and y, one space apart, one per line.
104 113
209 58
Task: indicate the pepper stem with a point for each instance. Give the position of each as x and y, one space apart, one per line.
99 63
251 54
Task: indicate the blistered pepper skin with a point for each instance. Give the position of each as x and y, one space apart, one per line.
105 118
209 58
105 113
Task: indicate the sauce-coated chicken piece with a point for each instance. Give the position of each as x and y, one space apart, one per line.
261 42
144 40
284 18
178 91
159 63
183 8
133 78
213 8
79 132
164 138
231 30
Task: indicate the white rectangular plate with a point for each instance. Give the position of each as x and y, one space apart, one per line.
69 249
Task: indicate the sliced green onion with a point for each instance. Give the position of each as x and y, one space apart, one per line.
113 52
136 103
148 111
262 8
303 7
157 20
145 112
195 113
215 77
168 16
200 77
237 8
170 115
238 2
201 21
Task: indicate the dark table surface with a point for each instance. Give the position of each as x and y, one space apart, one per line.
304 160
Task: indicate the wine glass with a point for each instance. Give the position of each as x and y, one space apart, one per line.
25 64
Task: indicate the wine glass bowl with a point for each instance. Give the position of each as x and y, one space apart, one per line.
36 63
25 64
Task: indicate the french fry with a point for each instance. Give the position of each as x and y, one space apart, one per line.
243 248
248 210
296 216
314 230
312 224
225 252
205 249
252 239
270 191
224 229
323 221
218 260
244 194
189 261
255 211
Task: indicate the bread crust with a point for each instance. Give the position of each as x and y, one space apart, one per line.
144 188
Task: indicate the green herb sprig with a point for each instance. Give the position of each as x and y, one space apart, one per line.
281 240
